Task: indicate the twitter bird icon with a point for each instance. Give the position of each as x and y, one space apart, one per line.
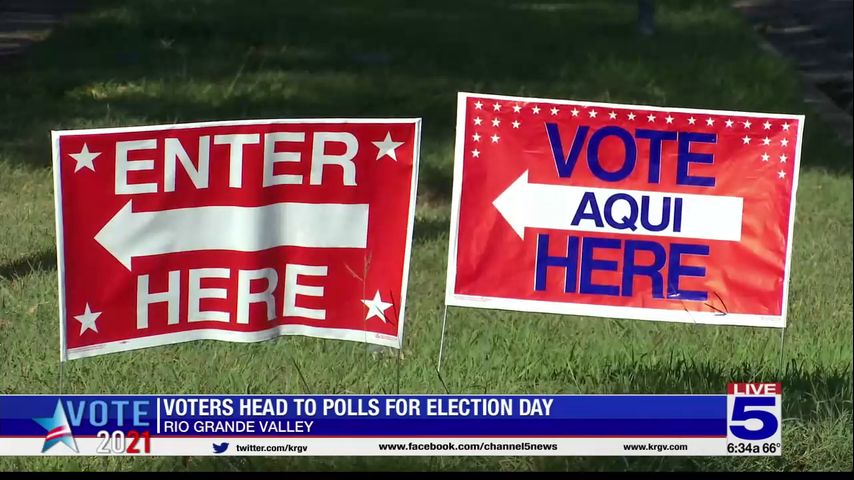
220 448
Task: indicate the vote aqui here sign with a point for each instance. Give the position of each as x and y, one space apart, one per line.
238 231
623 211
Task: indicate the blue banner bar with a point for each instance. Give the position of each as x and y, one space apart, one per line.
370 415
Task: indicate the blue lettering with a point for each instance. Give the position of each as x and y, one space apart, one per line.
676 270
627 222
686 158
677 215
138 413
589 264
665 214
631 269
75 414
565 165
588 200
120 410
544 261
655 138
98 413
578 274
629 159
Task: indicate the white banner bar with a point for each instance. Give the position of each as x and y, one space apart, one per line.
401 447
632 212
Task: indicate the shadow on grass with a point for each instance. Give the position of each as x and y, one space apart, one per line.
428 230
162 61
435 181
44 261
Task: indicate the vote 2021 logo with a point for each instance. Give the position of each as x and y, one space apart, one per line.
103 426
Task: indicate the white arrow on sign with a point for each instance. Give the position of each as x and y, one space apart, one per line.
244 229
538 205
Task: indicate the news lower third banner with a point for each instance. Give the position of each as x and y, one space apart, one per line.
745 421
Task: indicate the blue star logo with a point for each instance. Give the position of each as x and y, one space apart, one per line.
58 429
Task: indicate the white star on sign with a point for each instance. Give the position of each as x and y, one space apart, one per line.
478 105
766 125
87 320
668 119
786 127
710 121
784 142
612 115
477 120
536 110
746 123
592 113
746 139
84 159
765 157
766 141
729 123
554 111
475 153
376 307
387 147
783 158
631 116
496 122
476 137
574 112
495 138
781 174
516 124
692 121
517 109
496 107
650 118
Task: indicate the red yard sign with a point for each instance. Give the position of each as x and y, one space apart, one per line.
238 231
623 210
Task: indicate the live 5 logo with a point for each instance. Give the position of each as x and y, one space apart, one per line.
754 418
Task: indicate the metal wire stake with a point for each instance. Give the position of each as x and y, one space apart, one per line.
442 341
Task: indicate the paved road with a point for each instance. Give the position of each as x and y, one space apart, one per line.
817 34
24 22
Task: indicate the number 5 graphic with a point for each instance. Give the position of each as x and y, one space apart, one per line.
741 413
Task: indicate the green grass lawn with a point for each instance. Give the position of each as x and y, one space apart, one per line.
162 61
